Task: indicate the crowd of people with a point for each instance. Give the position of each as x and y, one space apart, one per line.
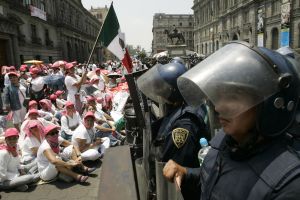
63 114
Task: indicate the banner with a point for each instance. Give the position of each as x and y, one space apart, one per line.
36 12
260 26
285 23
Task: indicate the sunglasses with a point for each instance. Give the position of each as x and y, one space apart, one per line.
52 133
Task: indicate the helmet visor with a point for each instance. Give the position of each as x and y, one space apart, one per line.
153 86
234 79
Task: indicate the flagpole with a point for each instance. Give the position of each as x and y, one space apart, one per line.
94 46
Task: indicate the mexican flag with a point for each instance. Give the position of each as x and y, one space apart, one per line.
114 40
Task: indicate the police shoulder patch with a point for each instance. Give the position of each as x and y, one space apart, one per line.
179 136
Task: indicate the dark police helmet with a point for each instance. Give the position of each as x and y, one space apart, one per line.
160 83
177 60
243 76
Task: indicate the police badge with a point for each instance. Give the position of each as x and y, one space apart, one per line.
179 136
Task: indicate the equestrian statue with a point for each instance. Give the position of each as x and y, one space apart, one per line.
175 34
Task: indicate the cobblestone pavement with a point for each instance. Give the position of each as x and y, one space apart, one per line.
59 190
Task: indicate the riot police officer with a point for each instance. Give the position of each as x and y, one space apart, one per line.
177 134
255 92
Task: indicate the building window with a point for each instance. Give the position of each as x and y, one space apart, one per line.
275 38
275 7
50 59
47 34
299 34
180 24
43 5
190 24
246 16
33 31
22 59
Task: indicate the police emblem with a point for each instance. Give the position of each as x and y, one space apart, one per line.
179 136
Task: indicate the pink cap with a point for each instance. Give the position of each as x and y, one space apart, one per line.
69 66
34 71
12 68
69 104
23 68
33 111
53 97
32 102
90 98
13 74
98 70
11 132
32 124
89 114
50 128
59 92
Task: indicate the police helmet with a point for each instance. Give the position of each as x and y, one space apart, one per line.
160 83
243 76
177 60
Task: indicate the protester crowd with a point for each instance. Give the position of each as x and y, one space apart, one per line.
63 115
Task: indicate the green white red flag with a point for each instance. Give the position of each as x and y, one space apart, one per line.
114 40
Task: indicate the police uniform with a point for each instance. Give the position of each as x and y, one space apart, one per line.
179 134
228 173
261 160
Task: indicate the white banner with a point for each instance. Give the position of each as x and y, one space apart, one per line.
36 12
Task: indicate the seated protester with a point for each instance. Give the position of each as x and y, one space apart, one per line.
104 129
84 138
50 162
91 101
57 110
10 177
70 121
33 139
60 101
33 114
46 106
34 105
37 85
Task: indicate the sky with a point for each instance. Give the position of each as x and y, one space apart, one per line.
136 16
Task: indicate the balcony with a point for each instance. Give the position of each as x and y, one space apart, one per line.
36 40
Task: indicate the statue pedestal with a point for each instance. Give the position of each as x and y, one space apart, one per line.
177 50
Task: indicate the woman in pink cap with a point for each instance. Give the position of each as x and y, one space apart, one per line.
50 162
34 131
60 101
73 83
10 176
84 137
37 85
70 121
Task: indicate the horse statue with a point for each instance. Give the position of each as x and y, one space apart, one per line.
175 34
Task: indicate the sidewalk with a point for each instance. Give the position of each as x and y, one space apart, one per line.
59 190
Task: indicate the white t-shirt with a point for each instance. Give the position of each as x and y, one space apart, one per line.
73 121
42 160
28 144
82 133
8 166
60 103
6 80
72 90
37 84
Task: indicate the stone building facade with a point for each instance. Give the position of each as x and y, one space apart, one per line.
162 22
260 22
46 30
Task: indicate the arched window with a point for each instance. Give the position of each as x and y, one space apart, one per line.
275 38
235 37
205 48
202 48
217 45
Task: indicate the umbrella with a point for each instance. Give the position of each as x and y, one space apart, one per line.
114 75
35 62
59 63
54 79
